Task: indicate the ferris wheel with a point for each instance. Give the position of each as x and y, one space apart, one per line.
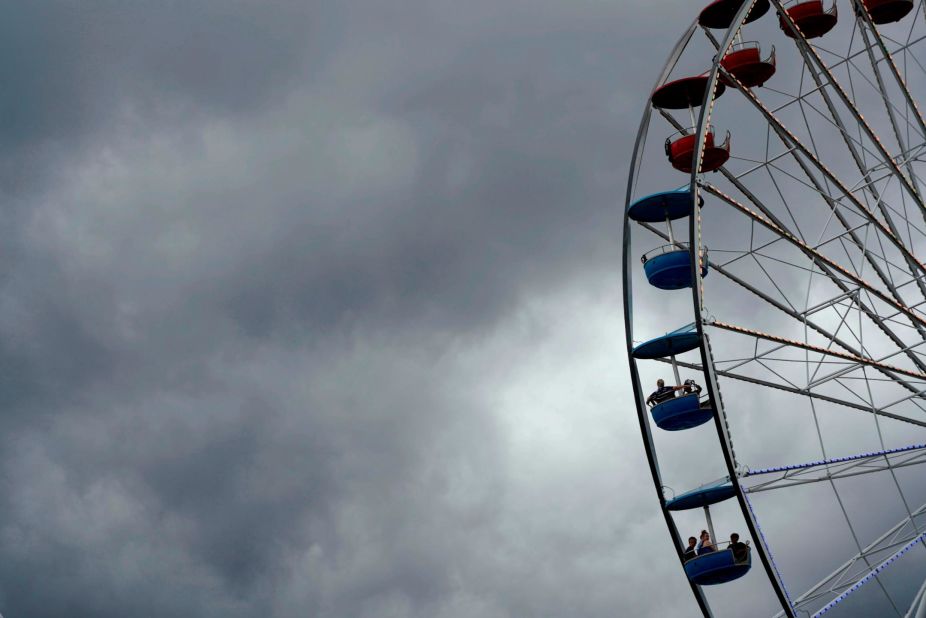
779 178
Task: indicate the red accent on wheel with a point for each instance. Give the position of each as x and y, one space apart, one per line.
683 93
887 11
810 17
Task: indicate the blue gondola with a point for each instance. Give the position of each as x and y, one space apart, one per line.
661 206
677 342
681 413
718 567
670 270
702 496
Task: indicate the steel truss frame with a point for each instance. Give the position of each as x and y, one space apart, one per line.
876 234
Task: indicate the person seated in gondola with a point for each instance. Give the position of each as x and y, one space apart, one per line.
740 550
690 386
705 545
662 392
690 551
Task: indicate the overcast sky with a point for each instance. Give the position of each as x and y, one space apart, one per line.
313 309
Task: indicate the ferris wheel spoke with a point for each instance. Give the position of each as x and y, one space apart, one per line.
870 185
891 113
834 202
891 470
802 317
817 208
919 603
901 48
791 140
803 392
710 37
856 360
767 355
851 232
814 64
833 376
891 109
856 142
865 18
827 265
835 468
850 572
849 229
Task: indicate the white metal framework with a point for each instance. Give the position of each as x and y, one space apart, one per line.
810 309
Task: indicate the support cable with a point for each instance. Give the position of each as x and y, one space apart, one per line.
871 575
834 460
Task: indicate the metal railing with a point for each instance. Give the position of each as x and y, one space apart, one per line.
792 3
670 248
752 45
690 131
725 546
696 389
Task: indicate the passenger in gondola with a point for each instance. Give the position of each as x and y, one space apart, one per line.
740 550
662 392
693 387
690 386
691 551
705 545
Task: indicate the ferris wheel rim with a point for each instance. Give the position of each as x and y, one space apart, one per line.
713 390
694 246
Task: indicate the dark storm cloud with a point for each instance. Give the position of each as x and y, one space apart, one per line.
72 69
312 311
71 65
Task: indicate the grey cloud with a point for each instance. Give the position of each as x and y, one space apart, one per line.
313 310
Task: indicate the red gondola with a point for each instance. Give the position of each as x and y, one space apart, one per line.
810 18
683 93
887 11
680 148
720 13
745 63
